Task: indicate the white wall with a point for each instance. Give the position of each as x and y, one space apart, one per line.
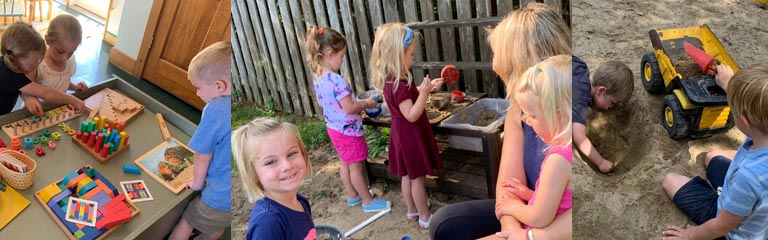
132 24
115 16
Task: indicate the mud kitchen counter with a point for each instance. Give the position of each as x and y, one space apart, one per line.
470 154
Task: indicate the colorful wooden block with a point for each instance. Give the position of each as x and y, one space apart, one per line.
49 191
79 234
131 169
86 188
73 181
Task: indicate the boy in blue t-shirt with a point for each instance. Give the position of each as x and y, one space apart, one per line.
736 205
610 84
210 213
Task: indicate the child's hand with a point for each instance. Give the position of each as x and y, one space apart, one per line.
504 208
79 106
436 83
194 185
426 86
724 74
675 232
81 87
34 106
605 166
371 102
513 234
514 186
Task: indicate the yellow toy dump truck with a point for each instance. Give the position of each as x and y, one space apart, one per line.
694 105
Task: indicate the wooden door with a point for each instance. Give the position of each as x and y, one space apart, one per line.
184 28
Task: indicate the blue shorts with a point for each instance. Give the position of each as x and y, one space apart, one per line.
697 198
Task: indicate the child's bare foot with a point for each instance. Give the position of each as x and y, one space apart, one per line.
605 166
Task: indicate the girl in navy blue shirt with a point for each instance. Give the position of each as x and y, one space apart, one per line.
272 161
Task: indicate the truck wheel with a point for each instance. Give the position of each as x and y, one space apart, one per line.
672 117
650 74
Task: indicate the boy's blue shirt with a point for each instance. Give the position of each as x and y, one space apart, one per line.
582 87
212 136
745 192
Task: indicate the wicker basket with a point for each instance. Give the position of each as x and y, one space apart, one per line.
15 179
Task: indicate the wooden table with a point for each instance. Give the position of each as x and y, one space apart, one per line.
491 154
157 217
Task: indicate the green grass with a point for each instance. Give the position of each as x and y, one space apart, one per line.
312 130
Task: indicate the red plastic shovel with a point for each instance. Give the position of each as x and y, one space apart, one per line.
700 57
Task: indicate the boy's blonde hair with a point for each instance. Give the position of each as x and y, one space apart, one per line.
525 37
547 86
320 40
21 40
388 55
212 63
748 95
65 24
246 142
616 78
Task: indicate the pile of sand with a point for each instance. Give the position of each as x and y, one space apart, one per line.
631 204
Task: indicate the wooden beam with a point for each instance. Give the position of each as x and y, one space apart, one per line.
487 21
459 65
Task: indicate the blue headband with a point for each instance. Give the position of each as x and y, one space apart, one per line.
408 37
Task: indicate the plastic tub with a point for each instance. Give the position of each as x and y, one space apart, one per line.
485 115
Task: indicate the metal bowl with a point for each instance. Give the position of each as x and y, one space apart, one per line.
328 232
368 94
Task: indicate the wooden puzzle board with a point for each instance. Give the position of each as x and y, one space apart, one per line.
131 206
35 124
95 155
113 105
11 205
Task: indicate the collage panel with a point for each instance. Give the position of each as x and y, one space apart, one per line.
115 119
384 119
664 107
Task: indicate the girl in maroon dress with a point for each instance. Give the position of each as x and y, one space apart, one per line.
412 148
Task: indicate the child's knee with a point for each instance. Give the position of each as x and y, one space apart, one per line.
669 178
710 155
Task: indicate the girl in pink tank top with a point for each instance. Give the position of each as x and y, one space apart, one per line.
544 97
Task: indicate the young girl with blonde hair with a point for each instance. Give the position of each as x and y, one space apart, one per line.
272 161
22 51
522 39
413 152
544 97
325 52
58 66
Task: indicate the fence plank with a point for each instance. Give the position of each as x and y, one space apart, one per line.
431 43
252 56
240 81
391 14
298 64
377 17
523 3
290 79
333 19
466 39
353 51
269 54
301 34
504 7
409 6
555 4
447 35
490 84
364 33
322 19
455 23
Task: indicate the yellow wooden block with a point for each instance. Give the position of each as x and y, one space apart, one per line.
49 191
83 182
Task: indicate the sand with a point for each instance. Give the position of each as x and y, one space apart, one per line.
631 204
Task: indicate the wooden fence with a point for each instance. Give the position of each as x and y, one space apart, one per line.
268 43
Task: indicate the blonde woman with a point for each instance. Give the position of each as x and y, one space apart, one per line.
526 36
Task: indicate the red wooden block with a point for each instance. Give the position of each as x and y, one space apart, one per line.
40 151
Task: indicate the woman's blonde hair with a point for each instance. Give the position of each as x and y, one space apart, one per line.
21 40
320 40
388 55
547 86
246 142
65 24
525 37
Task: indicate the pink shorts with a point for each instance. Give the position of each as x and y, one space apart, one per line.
351 149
